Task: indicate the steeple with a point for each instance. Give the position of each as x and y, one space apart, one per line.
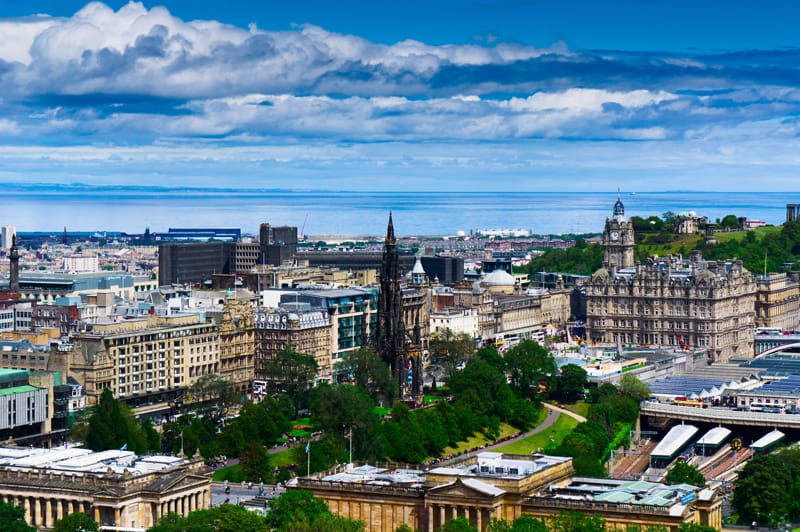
13 256
619 208
390 336
390 239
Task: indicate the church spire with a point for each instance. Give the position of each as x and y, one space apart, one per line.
13 257
390 238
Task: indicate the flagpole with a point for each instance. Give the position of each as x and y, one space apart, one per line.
351 445
308 454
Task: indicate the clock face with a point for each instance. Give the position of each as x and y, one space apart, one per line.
614 235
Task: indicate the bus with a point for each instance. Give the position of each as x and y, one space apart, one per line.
691 402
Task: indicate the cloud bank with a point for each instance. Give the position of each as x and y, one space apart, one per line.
140 77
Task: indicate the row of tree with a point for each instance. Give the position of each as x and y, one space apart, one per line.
768 488
565 521
611 411
757 251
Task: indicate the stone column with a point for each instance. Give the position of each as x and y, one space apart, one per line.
441 515
430 518
60 509
48 513
97 514
117 516
479 518
37 511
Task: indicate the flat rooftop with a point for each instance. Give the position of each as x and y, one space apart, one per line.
80 461
488 465
639 492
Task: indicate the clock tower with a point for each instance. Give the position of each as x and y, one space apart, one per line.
618 238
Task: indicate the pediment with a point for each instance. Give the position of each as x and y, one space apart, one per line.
459 489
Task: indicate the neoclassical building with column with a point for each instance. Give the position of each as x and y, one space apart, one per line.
502 486
115 488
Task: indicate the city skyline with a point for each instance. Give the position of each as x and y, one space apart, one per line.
471 97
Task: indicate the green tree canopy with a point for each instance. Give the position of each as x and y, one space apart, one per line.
295 507
255 463
448 351
766 489
574 521
76 522
571 382
13 518
459 524
528 364
683 473
483 388
113 426
631 386
292 373
212 396
370 373
523 523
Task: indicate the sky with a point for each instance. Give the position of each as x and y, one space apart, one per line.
476 95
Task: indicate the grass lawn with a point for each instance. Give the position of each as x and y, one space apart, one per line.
735 235
282 458
563 426
476 440
581 408
230 473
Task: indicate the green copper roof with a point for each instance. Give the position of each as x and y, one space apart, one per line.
18 389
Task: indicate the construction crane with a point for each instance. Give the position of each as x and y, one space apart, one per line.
303 229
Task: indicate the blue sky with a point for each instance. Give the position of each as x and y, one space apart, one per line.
443 95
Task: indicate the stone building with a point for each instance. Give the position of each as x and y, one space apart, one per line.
146 362
673 302
778 301
115 488
502 486
237 344
308 331
618 241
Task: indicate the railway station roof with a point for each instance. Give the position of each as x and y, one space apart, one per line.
714 437
767 440
677 437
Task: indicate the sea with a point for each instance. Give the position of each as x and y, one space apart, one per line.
366 213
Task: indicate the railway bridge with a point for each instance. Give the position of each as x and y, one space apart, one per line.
664 414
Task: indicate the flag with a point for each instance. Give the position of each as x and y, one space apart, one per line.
308 447
124 447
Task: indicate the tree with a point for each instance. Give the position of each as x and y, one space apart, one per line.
523 523
296 506
459 524
766 486
370 373
631 386
694 527
292 373
13 518
113 426
730 221
235 518
76 522
212 396
683 473
448 351
571 382
574 521
255 463
529 364
483 388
